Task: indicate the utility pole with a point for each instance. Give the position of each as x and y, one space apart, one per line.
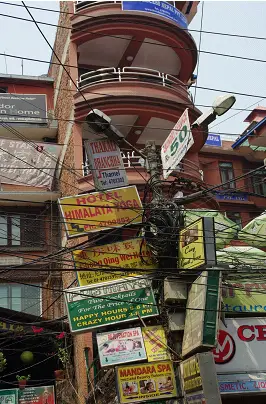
154 168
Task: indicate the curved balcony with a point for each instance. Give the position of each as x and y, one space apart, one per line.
106 35
144 103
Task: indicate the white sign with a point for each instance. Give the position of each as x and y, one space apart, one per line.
176 145
241 346
106 163
10 261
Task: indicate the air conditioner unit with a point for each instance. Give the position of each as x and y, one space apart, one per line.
174 291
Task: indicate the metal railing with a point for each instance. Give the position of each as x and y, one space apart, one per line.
132 74
81 5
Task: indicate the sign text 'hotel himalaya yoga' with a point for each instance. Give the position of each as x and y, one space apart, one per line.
111 303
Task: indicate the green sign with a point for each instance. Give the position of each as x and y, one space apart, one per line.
9 396
41 394
110 303
202 312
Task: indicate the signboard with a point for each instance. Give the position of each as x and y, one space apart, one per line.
22 163
239 196
199 379
9 396
244 297
10 261
106 163
161 8
202 312
116 302
240 346
126 254
37 395
155 343
197 244
138 383
116 347
98 211
213 140
26 108
241 383
176 145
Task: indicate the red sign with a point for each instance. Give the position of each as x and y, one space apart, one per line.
225 349
37 395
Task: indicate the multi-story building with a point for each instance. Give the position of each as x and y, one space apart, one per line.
28 231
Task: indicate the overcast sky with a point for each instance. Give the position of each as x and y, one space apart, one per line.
22 38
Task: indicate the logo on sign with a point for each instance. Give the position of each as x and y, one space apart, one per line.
225 349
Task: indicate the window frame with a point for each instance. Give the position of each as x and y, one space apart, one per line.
224 172
23 297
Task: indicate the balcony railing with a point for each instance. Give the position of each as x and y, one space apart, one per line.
81 5
112 74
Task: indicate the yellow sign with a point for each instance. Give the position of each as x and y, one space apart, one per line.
146 381
191 246
155 343
101 210
125 254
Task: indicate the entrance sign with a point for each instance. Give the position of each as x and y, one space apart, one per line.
240 346
127 254
115 302
138 383
116 347
106 163
197 244
202 312
199 379
98 211
161 8
176 145
155 343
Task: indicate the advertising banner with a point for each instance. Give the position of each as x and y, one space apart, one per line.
23 164
176 145
26 108
98 211
155 343
138 383
240 346
161 8
214 140
106 163
37 395
201 320
9 396
116 347
115 302
244 297
127 254
197 244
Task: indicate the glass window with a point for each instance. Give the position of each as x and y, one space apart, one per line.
15 230
25 230
227 174
259 183
24 298
3 230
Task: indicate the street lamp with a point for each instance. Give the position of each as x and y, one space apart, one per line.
219 107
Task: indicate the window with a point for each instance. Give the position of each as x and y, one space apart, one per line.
3 90
227 174
235 217
21 231
21 298
259 183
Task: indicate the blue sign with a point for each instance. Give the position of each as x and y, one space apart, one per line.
161 8
214 140
231 197
242 386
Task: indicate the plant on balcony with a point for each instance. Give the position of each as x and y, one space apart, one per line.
22 381
2 362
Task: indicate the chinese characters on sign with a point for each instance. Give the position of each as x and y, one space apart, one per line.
93 307
127 254
101 210
137 383
106 164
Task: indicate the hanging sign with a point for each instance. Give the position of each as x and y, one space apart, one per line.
176 145
201 321
138 383
155 343
115 302
98 211
197 244
106 163
116 347
127 254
